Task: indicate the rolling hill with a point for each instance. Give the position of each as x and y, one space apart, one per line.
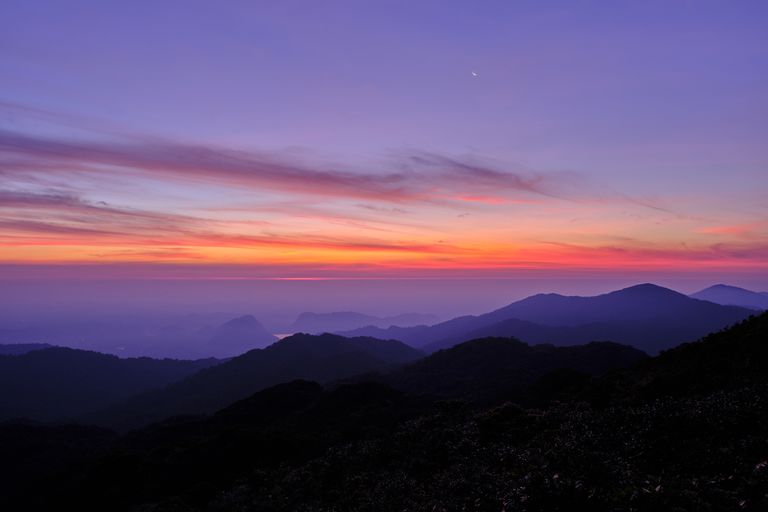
319 358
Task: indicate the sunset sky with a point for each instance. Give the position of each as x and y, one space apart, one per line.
285 139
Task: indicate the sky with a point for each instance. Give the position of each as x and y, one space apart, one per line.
384 140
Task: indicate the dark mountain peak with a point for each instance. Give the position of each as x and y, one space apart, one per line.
646 290
302 340
489 343
320 358
303 337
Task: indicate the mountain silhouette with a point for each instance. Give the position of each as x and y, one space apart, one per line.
240 335
302 356
17 349
646 316
686 428
318 323
732 358
493 369
733 296
60 383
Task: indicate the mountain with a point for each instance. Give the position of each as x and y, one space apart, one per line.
736 357
318 323
694 414
733 296
60 383
646 316
302 356
684 430
535 333
17 349
492 369
240 335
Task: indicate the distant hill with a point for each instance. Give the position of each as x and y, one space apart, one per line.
17 349
318 323
733 296
240 335
302 356
177 336
648 317
491 369
61 383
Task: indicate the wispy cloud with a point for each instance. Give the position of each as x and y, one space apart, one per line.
66 211
68 219
644 254
427 177
483 178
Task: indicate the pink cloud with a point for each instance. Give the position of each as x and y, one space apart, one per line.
732 229
425 178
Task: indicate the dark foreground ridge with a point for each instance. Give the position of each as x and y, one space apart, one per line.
61 383
685 430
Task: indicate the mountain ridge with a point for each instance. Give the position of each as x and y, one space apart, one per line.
733 295
646 316
320 358
61 383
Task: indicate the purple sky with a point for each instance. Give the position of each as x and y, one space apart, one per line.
520 140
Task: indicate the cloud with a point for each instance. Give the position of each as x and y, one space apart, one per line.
46 228
428 177
475 176
63 210
745 230
638 254
69 220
